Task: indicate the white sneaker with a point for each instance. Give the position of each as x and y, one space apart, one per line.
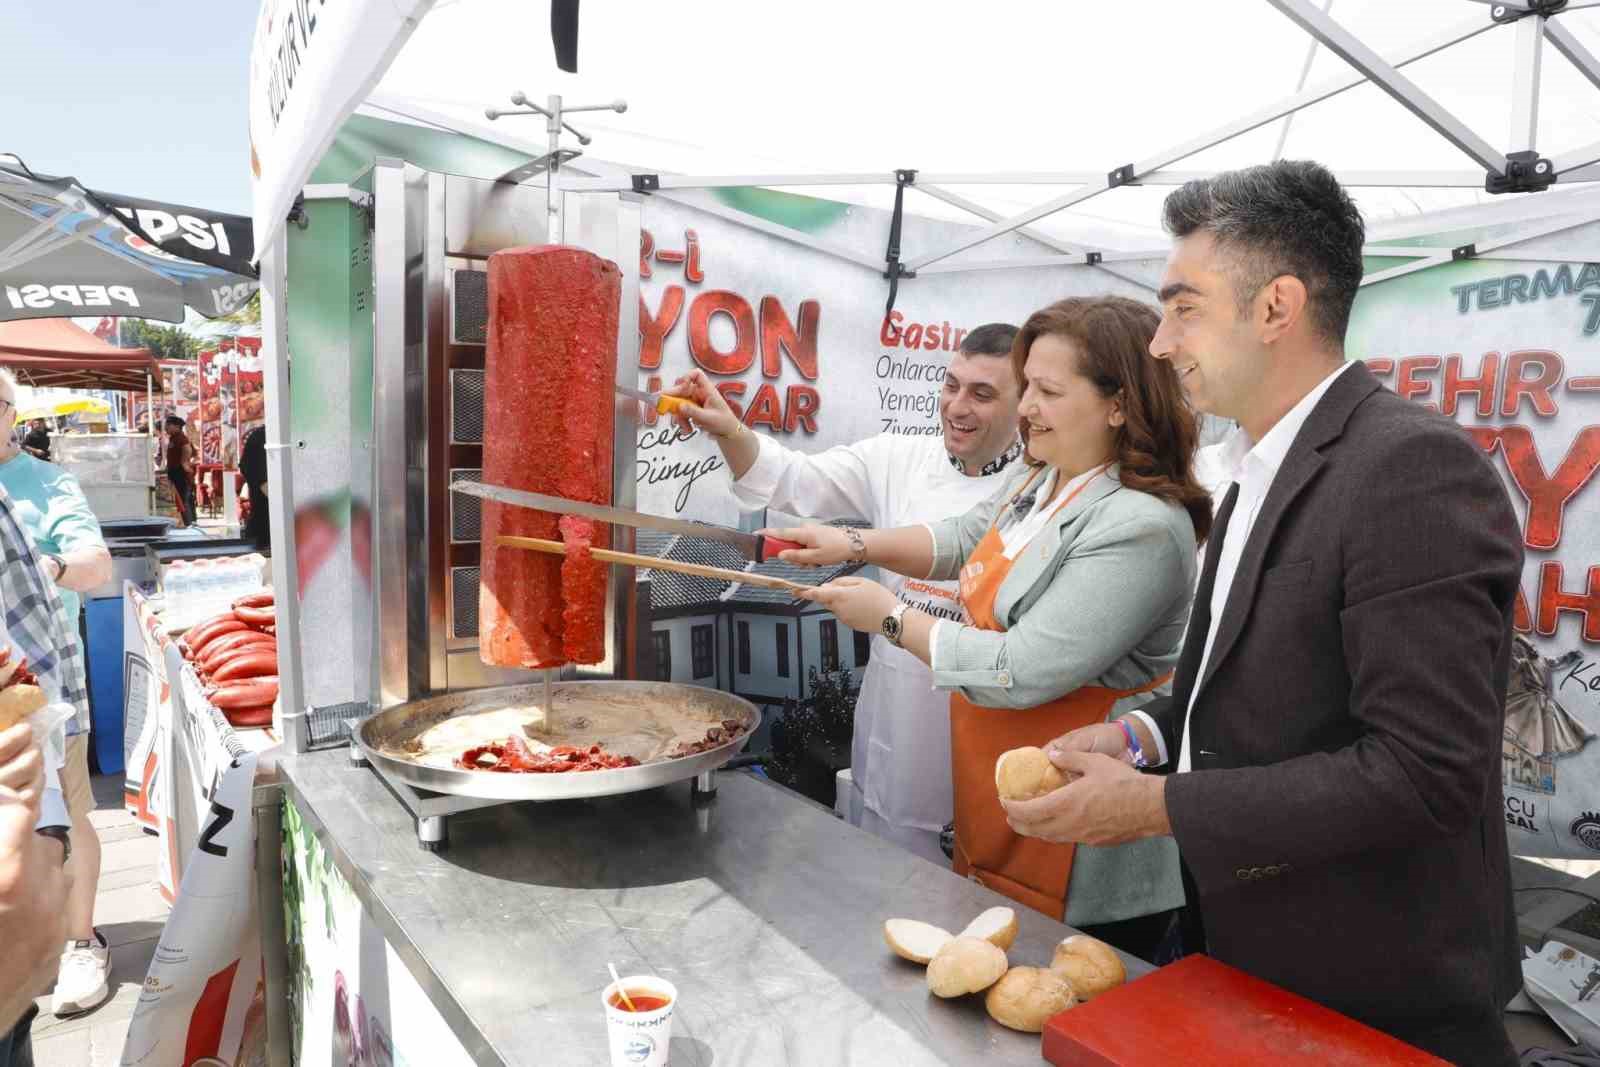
82 983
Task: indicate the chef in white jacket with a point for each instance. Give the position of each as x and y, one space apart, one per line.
900 755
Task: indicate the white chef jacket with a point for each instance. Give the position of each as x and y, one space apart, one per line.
900 754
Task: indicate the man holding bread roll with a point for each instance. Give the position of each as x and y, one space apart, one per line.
1336 718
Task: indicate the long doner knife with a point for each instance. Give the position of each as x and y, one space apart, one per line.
756 546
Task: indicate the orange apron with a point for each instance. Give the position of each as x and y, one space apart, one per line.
1027 870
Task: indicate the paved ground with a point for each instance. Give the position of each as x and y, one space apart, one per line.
130 911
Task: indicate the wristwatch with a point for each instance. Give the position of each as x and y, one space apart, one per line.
892 627
60 834
61 564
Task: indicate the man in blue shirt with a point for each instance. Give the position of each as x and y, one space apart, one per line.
52 510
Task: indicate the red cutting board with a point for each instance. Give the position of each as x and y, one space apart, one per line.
1201 1013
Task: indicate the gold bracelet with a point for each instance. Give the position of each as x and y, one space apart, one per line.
738 429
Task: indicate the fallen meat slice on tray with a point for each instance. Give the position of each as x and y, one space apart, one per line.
585 730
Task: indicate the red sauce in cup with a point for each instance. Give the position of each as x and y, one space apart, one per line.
641 1001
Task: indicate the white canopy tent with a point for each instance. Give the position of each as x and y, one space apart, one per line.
992 111
1065 123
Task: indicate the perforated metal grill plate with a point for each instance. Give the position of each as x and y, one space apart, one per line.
463 602
466 407
469 307
465 511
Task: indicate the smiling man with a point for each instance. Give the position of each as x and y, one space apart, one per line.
1335 721
900 755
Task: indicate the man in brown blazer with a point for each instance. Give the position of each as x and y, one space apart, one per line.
1335 722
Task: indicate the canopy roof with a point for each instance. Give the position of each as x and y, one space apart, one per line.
60 354
1413 104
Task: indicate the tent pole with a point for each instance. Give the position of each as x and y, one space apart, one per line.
280 500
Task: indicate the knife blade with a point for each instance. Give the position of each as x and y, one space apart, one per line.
755 546
663 403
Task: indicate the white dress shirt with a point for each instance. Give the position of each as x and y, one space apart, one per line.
1254 469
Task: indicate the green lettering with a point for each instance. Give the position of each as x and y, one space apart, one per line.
1544 285
1516 288
1463 295
1589 276
1591 325
1489 294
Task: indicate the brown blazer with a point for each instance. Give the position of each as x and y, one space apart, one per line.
1343 821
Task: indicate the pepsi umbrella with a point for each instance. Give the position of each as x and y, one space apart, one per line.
66 250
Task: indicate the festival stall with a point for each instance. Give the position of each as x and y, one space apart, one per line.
764 911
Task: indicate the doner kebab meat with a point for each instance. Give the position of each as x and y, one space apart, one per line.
548 410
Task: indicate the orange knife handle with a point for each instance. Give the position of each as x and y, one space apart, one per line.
666 405
769 547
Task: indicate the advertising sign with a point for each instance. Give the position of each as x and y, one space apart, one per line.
351 998
796 339
1509 350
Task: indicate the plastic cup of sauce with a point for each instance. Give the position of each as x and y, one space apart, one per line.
639 1037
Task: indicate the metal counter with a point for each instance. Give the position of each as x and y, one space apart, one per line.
763 909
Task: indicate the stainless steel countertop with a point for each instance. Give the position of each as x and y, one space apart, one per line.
763 909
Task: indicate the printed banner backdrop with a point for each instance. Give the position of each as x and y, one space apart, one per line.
351 998
796 338
1511 350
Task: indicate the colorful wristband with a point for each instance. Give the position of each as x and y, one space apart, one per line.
1135 752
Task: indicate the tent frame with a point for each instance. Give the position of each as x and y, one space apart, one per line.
1519 169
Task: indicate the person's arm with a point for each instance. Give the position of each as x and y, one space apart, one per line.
1431 556
1112 588
71 524
906 550
837 483
33 881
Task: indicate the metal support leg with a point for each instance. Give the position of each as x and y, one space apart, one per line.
704 786
433 832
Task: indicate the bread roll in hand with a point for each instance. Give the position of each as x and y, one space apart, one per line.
1092 967
1026 773
1027 996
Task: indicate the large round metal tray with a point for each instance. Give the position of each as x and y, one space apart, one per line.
403 720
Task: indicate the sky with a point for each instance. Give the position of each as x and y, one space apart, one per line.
145 98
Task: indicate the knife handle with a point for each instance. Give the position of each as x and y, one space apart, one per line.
768 547
666 405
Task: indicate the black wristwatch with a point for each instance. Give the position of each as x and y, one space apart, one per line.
60 834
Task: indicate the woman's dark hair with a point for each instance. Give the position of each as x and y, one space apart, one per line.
1155 443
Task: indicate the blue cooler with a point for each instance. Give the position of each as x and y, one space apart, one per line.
102 633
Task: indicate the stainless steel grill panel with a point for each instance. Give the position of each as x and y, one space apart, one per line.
466 407
469 307
463 602
465 511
